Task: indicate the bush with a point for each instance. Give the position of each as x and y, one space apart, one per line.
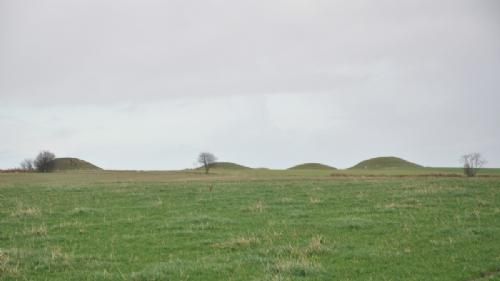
43 161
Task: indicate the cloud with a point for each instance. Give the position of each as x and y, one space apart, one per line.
271 130
282 81
103 51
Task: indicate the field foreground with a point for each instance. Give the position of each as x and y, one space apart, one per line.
248 225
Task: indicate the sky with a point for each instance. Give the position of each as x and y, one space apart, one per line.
148 85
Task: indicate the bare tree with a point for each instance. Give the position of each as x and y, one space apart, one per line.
206 159
42 162
27 165
472 163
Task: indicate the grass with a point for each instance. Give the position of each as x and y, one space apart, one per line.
250 225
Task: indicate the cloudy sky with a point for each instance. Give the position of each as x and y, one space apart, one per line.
150 84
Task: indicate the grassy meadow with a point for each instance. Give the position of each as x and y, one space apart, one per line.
251 224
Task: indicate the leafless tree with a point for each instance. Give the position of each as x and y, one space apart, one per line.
206 159
42 162
27 165
472 163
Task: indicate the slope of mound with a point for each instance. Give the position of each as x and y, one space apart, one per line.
385 162
64 164
312 166
227 165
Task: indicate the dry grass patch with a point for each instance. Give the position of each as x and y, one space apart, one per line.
410 204
299 261
316 245
317 188
271 235
286 200
436 189
158 202
482 203
24 211
238 242
40 230
296 267
7 266
84 211
74 223
257 207
314 200
57 254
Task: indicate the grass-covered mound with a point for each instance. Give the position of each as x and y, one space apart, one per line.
65 164
227 166
312 166
385 163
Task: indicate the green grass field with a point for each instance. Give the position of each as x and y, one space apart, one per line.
425 224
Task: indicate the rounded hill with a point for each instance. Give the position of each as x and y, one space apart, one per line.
227 165
385 163
65 164
312 166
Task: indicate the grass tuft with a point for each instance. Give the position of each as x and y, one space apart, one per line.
238 242
300 267
257 207
57 255
314 200
7 267
24 211
40 230
316 246
79 211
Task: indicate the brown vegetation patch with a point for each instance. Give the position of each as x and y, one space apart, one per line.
238 242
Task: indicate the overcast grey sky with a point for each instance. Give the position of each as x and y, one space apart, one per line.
150 84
